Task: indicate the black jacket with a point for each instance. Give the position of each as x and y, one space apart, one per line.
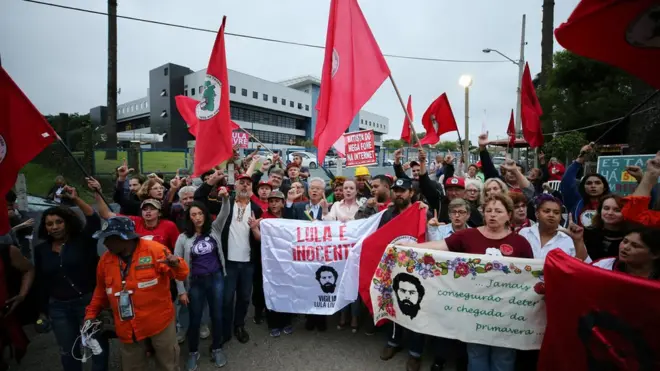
130 204
297 212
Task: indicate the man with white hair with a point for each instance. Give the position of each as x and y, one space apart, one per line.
312 210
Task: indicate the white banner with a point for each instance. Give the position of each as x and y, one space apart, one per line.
305 264
482 299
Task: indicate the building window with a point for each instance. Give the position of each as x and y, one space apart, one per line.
265 97
306 107
299 105
244 92
274 99
185 92
255 95
283 102
307 91
201 89
232 89
166 71
146 104
291 104
192 91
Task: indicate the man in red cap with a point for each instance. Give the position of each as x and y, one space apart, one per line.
263 191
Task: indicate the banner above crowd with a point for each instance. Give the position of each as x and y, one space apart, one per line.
360 148
306 264
481 299
613 168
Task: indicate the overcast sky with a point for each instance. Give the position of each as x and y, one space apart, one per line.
59 57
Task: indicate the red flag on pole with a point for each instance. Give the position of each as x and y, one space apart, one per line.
511 131
24 133
186 107
444 118
598 319
212 119
405 130
530 111
411 224
623 33
353 69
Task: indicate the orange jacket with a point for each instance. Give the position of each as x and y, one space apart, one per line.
636 209
150 283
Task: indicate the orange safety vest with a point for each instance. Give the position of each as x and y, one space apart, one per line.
150 283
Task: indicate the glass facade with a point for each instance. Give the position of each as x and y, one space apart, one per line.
273 137
248 115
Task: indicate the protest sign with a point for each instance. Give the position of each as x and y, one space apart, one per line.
360 148
240 138
613 168
490 300
306 266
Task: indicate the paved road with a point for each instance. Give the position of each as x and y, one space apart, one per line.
303 350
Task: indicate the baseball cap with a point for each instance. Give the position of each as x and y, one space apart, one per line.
403 183
243 176
151 201
264 183
276 194
117 226
293 164
455 182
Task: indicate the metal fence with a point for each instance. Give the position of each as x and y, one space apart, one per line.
143 160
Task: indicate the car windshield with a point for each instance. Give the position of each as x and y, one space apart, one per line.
498 160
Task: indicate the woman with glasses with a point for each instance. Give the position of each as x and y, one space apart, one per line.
459 212
519 219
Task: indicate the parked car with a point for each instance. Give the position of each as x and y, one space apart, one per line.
332 160
497 161
388 162
308 159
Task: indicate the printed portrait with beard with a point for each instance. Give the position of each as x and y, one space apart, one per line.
409 293
327 277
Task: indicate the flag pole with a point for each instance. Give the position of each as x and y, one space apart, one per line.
462 150
257 140
80 166
405 111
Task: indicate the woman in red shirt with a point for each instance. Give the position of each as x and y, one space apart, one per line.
556 169
494 238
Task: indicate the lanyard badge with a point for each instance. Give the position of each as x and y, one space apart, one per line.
125 304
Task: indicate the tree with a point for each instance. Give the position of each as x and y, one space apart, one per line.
547 39
111 124
447 145
394 143
581 92
565 146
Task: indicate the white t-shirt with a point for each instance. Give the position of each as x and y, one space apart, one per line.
606 263
560 241
238 243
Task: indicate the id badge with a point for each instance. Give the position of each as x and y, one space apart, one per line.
125 306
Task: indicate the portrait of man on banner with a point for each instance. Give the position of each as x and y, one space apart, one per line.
327 278
409 294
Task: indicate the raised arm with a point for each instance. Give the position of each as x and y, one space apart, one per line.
568 186
398 168
637 205
487 166
219 223
103 208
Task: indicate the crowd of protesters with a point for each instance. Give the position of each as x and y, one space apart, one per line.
183 258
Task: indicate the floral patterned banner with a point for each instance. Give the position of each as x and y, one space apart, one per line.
482 299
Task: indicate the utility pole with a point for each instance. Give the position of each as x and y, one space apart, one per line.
547 39
521 69
111 123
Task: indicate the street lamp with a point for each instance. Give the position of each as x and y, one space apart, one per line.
466 81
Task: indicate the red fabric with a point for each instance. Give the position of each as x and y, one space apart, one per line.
353 69
384 205
622 33
598 319
511 131
444 117
530 111
636 209
556 171
471 241
186 107
11 332
24 133
213 137
405 130
165 232
262 204
411 222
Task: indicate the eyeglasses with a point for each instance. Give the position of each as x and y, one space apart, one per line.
472 190
458 212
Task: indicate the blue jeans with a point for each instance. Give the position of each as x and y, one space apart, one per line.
238 282
489 358
416 347
205 289
66 319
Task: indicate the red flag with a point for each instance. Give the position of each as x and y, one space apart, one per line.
24 133
511 131
622 33
353 69
444 120
187 107
411 223
598 319
405 130
211 123
530 111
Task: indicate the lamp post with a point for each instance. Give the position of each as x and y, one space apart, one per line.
466 81
521 68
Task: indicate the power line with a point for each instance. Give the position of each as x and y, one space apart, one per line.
599 124
174 25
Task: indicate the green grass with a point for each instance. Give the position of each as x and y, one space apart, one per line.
166 162
39 179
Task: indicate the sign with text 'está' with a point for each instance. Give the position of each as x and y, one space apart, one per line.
613 168
360 148
490 300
